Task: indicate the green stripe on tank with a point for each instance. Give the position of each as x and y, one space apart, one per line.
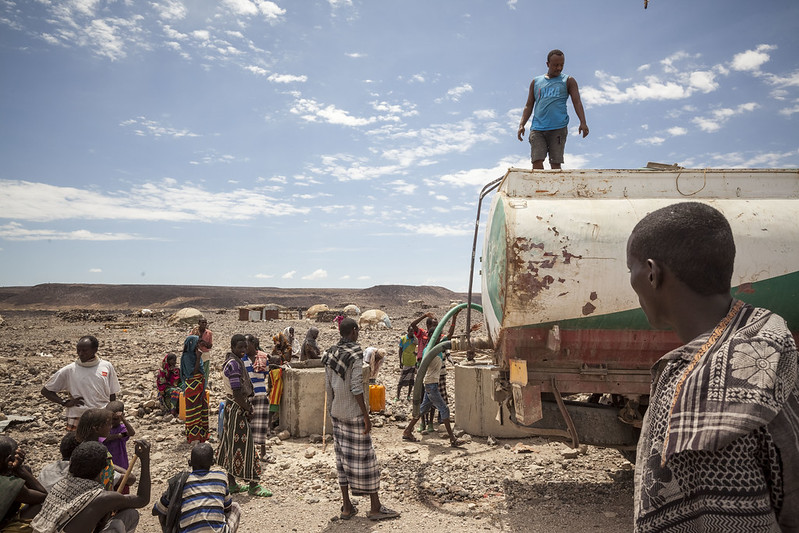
496 261
779 294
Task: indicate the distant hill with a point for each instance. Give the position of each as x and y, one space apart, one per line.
57 296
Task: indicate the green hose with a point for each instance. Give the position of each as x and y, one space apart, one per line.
429 353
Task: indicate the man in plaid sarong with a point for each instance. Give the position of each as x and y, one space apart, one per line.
356 462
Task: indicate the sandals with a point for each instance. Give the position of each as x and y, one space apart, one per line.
239 487
347 516
409 438
258 490
383 514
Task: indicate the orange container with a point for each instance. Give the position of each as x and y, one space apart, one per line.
377 398
182 406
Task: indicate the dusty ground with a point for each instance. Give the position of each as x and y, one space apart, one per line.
481 487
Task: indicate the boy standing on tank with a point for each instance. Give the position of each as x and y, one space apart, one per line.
546 102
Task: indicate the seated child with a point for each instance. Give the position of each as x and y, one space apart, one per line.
117 440
55 471
92 425
21 494
198 500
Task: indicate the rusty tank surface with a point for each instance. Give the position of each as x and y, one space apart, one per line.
567 332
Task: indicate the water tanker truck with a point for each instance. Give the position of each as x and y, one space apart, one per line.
570 349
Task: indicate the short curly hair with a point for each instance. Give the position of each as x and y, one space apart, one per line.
693 240
88 460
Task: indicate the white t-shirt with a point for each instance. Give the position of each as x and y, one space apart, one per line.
95 384
433 371
368 353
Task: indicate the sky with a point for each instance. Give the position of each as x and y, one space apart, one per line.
343 143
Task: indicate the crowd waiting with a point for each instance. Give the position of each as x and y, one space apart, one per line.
89 488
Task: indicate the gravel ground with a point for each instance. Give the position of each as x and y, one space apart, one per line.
484 486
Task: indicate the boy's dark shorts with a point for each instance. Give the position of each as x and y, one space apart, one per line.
552 141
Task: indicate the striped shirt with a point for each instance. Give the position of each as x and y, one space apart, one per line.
257 378
205 501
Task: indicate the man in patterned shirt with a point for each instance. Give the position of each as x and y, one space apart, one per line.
719 443
356 462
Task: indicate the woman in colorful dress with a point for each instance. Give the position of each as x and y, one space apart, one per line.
236 452
193 377
168 383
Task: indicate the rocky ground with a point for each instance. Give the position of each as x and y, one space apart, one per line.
485 486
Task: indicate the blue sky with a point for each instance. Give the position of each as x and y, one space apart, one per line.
342 143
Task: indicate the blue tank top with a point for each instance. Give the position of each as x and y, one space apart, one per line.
550 103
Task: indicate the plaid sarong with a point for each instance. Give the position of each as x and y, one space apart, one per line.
260 412
236 452
408 377
196 409
356 462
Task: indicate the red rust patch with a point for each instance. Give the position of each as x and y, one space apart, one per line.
588 308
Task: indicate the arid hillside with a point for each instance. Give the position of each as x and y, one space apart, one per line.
54 296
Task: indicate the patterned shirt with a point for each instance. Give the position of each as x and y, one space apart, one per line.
718 448
205 501
342 391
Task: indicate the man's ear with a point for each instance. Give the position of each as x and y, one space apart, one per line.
655 274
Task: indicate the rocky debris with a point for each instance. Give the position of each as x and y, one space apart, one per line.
86 315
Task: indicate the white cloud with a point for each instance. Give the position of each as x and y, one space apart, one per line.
364 278
788 111
345 276
718 117
170 9
289 274
95 270
287 78
166 200
150 128
316 274
485 114
312 111
13 231
403 187
339 3
264 276
652 88
512 4
269 10
651 140
482 176
456 93
752 59
791 80
438 230
258 71
703 81
676 131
